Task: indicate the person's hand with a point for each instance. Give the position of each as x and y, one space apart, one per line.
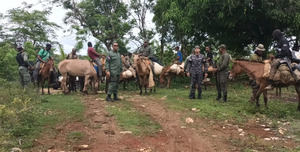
107 75
188 74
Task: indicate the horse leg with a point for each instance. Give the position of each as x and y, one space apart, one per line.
297 87
86 83
169 81
140 85
265 93
49 86
259 91
280 92
43 83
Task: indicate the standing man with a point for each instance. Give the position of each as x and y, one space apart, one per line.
209 55
256 56
179 57
194 70
22 59
72 79
113 68
95 56
43 56
222 73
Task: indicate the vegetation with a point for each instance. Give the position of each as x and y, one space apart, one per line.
24 115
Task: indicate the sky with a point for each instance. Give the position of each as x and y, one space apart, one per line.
67 39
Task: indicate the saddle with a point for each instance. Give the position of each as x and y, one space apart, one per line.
287 72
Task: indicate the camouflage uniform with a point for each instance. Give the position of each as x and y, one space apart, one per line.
22 60
114 66
222 75
194 67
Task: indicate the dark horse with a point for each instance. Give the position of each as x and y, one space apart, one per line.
45 74
256 71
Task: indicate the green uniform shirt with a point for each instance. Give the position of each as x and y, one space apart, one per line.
223 62
255 57
146 51
114 63
45 55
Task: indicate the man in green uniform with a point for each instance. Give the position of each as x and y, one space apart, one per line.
42 57
256 56
114 68
22 59
222 73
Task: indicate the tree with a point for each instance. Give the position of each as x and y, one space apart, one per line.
30 26
235 23
140 10
106 20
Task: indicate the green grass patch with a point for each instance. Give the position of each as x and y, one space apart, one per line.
24 115
130 119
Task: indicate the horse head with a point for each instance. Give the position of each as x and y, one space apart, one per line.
236 70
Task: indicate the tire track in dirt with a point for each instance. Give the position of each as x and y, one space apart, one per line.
180 137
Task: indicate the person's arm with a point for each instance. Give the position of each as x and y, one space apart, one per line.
224 63
94 52
205 65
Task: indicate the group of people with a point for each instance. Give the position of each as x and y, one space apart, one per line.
196 65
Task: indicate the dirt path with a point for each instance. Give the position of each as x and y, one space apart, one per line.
101 133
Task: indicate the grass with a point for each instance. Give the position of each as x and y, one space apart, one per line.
130 119
24 115
75 136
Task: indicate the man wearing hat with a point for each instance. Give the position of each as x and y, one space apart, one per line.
22 59
222 72
256 56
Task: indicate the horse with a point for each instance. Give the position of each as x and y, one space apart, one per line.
83 68
256 71
45 74
167 73
142 66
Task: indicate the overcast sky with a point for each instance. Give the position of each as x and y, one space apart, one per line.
66 39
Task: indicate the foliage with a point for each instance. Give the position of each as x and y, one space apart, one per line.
30 26
235 23
106 20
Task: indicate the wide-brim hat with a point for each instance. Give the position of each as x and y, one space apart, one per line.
260 47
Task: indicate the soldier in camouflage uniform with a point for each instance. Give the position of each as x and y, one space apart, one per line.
222 73
256 56
194 69
22 59
114 68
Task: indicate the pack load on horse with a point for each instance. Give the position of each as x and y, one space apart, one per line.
81 68
128 71
176 69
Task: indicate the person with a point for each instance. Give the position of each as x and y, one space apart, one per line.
209 55
113 68
72 79
95 56
283 52
73 54
22 59
195 71
146 51
256 56
42 57
179 57
222 73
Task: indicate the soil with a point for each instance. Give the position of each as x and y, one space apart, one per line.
100 132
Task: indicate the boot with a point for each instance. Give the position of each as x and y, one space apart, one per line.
225 98
192 96
219 97
116 97
108 98
199 96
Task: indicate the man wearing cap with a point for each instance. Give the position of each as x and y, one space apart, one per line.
195 71
256 56
22 59
42 57
222 73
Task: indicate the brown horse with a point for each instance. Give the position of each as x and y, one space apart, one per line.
81 68
141 64
45 74
255 70
169 74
